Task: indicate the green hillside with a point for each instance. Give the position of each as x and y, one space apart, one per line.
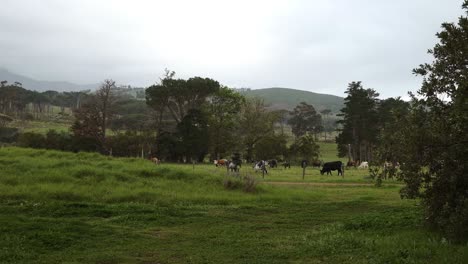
285 98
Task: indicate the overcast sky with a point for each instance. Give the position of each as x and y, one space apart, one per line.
318 46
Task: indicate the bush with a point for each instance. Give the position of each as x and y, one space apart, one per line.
8 134
250 184
59 141
247 184
31 140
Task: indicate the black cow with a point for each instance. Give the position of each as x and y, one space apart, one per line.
273 163
286 164
328 167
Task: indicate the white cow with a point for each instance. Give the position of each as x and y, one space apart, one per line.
364 165
233 167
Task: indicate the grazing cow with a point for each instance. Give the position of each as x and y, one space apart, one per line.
220 162
316 163
233 166
364 165
351 164
273 163
286 164
155 160
261 166
328 167
235 163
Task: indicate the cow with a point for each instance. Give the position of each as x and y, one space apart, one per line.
316 163
261 166
220 162
155 160
233 166
351 164
328 167
286 164
273 163
364 165
235 163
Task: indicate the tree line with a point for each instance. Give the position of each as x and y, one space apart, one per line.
190 119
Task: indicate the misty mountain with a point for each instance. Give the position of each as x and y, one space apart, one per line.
31 84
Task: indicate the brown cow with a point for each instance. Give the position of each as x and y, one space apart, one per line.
220 162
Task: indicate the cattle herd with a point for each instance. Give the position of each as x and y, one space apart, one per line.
235 163
264 165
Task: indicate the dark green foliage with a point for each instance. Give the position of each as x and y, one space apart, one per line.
304 148
8 134
256 123
169 147
31 140
271 147
224 116
193 131
178 96
131 144
435 134
199 109
58 140
393 114
359 124
131 114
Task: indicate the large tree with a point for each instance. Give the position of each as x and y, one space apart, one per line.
360 122
224 109
256 123
178 96
304 119
92 117
193 132
392 114
434 165
304 148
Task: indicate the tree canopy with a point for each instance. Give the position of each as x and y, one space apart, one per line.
435 134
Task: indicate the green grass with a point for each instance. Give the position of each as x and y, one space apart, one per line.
40 126
58 207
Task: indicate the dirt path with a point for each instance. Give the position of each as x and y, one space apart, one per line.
323 183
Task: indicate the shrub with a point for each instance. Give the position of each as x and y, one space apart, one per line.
8 134
250 184
31 140
247 184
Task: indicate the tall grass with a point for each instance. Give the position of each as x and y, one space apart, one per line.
58 207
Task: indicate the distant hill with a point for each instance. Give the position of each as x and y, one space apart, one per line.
285 98
31 84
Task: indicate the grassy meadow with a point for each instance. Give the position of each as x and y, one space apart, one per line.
58 207
41 127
